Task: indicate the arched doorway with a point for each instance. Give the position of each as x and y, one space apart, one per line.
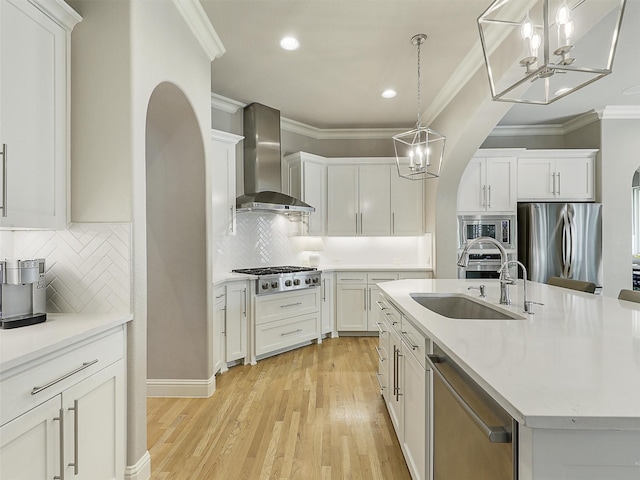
176 239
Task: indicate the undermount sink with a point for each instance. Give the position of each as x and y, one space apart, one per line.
453 305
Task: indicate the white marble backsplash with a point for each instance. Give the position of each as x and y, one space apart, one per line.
88 266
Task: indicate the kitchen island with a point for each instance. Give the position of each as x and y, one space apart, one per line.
569 374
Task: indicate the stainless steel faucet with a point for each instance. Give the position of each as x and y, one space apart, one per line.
505 278
528 305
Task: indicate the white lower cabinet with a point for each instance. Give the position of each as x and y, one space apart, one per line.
218 331
78 429
328 310
236 322
407 395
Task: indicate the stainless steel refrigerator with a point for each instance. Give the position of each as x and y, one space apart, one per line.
562 240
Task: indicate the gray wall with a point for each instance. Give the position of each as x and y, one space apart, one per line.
176 240
523 141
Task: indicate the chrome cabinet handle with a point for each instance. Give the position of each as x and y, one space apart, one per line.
558 175
66 375
380 305
369 300
75 437
489 196
231 217
60 418
224 323
324 290
378 375
380 329
290 305
356 223
4 179
397 366
494 434
244 310
407 340
483 201
553 183
393 223
382 359
361 215
291 332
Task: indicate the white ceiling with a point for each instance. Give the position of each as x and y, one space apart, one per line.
353 50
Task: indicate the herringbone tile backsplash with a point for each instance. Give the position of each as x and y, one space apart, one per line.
88 266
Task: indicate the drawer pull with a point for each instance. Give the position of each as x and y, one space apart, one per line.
66 375
291 332
352 280
75 437
60 419
290 305
382 387
408 341
380 306
382 359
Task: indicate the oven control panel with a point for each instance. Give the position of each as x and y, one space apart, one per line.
287 282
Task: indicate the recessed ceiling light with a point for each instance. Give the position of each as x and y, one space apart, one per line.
560 91
290 43
389 93
635 90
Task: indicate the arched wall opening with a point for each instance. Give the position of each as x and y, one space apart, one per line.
177 315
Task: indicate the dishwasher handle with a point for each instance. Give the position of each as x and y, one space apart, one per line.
494 434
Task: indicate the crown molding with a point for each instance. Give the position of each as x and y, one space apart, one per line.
58 10
620 112
199 23
226 137
526 130
225 104
338 133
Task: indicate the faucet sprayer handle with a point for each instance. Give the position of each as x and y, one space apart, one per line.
528 306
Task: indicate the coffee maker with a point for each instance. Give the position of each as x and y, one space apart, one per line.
23 297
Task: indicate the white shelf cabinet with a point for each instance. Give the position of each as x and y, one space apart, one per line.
488 185
223 182
34 115
357 295
75 423
557 175
306 179
236 321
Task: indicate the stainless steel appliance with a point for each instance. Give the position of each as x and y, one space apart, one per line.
23 297
473 436
475 226
283 279
561 239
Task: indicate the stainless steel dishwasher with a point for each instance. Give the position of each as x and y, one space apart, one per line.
474 438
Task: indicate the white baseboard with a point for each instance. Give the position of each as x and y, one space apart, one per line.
181 388
141 470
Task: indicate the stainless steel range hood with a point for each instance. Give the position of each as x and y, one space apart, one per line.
262 165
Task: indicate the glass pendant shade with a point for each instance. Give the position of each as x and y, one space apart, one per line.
560 46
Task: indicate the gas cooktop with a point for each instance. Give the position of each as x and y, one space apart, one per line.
273 270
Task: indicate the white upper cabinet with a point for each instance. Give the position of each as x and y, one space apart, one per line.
374 192
488 185
306 179
223 182
560 175
34 120
342 200
407 199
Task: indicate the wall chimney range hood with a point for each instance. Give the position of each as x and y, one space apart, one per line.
262 165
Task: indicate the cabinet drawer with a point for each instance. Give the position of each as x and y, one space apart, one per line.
351 277
415 340
280 334
378 277
55 370
285 305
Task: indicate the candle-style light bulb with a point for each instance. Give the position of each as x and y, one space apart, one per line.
411 164
526 30
534 44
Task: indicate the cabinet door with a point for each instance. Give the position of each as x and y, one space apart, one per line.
407 213
536 179
342 200
327 304
374 188
218 332
33 116
236 331
95 425
315 194
501 184
29 445
574 179
416 428
351 308
223 182
472 189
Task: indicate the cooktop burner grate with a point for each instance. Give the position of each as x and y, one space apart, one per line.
273 270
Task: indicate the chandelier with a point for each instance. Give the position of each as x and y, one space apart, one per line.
419 151
563 46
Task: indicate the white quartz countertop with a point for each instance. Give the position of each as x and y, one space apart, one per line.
23 344
373 268
575 363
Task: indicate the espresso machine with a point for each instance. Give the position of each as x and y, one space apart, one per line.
23 297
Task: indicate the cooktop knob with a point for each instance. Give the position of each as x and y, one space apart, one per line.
296 281
307 281
265 286
316 280
274 284
287 283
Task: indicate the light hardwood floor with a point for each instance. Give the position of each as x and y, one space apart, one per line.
312 413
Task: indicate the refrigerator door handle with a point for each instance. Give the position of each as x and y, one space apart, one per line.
572 246
565 244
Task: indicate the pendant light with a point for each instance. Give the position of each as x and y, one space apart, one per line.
419 151
553 61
